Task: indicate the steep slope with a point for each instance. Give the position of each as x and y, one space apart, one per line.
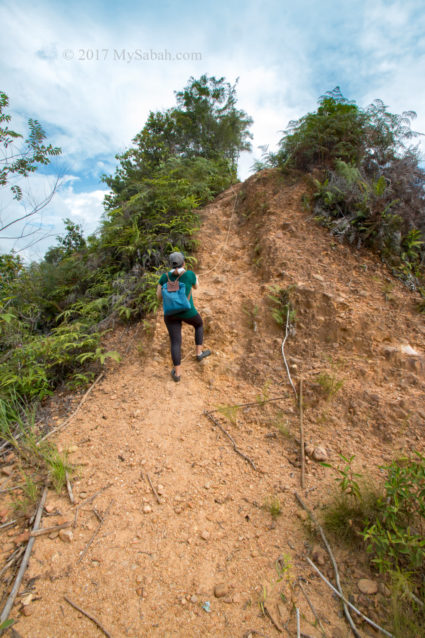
209 557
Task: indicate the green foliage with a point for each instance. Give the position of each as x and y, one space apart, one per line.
282 309
329 384
25 160
396 539
346 479
272 505
371 188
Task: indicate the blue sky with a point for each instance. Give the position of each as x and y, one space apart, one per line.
61 63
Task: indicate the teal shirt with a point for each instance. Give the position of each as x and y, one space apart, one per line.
188 278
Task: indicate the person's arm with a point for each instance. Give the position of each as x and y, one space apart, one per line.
159 292
195 285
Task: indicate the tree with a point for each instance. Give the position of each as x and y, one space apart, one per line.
18 162
205 123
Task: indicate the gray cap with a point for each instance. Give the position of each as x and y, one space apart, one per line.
176 260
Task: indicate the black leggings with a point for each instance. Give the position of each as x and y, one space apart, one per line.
174 327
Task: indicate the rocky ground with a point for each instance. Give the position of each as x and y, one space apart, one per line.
173 532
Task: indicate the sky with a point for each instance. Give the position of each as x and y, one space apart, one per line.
91 71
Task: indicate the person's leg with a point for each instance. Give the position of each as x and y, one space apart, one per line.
198 324
174 327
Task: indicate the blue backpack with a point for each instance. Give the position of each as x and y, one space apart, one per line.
174 296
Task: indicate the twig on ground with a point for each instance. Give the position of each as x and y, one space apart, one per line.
158 500
235 447
297 611
272 620
310 604
92 618
98 516
331 556
47 530
10 489
347 602
12 559
302 436
253 403
11 599
87 501
69 488
8 524
94 534
62 425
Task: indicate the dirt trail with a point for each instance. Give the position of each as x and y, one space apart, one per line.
152 569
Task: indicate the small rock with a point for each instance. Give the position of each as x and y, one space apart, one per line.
7 470
66 535
194 599
220 590
236 598
27 610
309 449
72 448
319 555
205 535
147 509
53 535
320 454
183 601
27 599
367 586
318 277
49 508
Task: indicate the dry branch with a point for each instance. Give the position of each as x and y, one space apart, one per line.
87 501
302 436
11 599
310 604
347 602
94 534
153 489
235 447
47 530
335 566
69 488
92 618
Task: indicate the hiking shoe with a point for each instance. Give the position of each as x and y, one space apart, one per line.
174 376
205 353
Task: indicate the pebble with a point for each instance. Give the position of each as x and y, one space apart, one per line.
320 454
7 470
205 535
147 509
27 610
49 508
385 591
194 599
72 448
319 555
66 535
221 590
367 586
27 599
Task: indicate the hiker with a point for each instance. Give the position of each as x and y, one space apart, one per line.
190 315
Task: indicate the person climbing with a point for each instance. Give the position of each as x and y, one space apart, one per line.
189 315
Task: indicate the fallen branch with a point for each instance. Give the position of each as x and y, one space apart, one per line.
94 534
331 556
258 403
12 559
297 611
85 613
158 500
310 604
347 602
47 530
69 488
11 599
8 524
235 447
283 351
62 425
87 501
272 620
302 436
